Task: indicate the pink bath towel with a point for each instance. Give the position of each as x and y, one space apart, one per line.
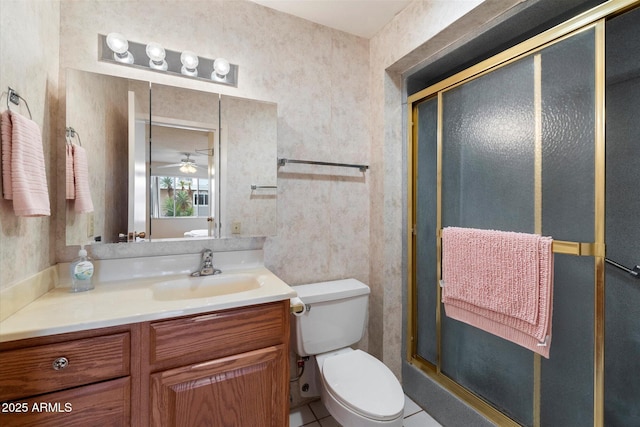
501 282
28 179
5 132
69 180
83 203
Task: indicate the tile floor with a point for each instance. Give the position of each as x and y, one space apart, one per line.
316 415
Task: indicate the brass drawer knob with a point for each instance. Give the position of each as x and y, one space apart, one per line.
60 363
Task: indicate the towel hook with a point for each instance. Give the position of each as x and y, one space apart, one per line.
15 98
72 133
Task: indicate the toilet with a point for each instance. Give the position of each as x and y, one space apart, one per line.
357 389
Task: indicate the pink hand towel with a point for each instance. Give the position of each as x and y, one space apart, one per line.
28 174
70 185
501 282
6 131
83 203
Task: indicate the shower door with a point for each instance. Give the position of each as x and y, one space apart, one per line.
517 154
520 146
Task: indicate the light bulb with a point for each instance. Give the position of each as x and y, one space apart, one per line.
189 63
120 47
221 68
187 168
156 55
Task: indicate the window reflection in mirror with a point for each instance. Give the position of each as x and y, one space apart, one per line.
184 155
182 174
180 197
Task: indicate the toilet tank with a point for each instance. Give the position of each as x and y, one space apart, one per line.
336 316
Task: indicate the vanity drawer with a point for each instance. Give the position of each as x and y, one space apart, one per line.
104 404
213 335
31 371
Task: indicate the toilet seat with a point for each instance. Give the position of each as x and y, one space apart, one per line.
364 384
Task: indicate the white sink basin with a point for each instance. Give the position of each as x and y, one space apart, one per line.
205 286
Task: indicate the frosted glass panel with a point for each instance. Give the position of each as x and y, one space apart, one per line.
488 182
488 143
568 125
622 327
498 370
567 376
568 141
426 261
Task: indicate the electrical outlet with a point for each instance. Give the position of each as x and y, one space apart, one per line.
236 227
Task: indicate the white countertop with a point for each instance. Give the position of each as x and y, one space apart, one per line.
120 302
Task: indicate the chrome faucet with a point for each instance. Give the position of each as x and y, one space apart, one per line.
206 265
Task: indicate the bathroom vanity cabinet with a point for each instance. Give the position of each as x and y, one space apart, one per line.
228 367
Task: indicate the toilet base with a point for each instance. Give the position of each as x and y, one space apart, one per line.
347 418
342 414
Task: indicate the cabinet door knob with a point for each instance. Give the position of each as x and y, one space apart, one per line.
60 363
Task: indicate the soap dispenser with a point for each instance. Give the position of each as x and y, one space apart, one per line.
81 270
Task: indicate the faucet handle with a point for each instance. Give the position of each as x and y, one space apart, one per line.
206 264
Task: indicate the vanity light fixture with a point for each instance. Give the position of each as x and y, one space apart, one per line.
189 62
115 48
120 47
156 55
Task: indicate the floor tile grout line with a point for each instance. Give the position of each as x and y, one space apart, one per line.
313 412
413 413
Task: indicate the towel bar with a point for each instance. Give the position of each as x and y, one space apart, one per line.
570 248
577 248
363 168
635 271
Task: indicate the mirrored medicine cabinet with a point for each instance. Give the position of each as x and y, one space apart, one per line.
170 163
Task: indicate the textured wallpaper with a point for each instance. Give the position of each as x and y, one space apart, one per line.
29 64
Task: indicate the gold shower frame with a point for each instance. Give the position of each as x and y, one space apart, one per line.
592 19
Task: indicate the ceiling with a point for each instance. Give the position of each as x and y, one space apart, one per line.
362 18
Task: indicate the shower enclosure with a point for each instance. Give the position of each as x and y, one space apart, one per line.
519 143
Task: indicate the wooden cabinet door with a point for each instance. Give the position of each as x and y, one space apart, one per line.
249 389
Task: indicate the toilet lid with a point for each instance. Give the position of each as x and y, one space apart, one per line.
364 384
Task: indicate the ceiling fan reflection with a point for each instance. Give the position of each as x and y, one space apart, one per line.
186 165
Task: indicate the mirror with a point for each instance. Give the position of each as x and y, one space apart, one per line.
97 110
167 162
248 175
184 159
